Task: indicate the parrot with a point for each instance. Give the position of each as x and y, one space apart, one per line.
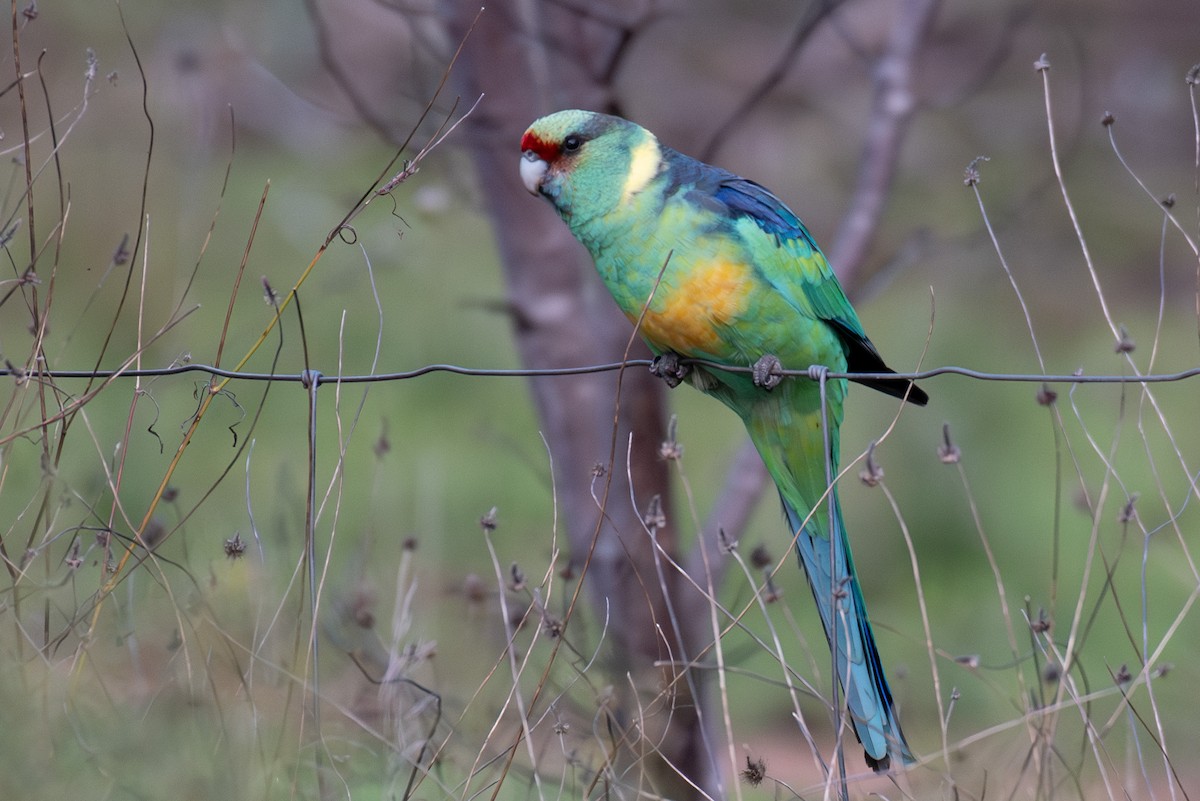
712 266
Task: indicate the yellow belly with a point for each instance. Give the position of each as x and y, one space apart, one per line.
690 312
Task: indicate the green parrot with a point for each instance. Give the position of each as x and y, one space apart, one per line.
732 276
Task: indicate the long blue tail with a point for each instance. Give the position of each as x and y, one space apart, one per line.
844 615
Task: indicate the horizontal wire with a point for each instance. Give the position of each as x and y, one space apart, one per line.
309 375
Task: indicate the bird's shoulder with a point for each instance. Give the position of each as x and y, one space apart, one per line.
785 254
736 198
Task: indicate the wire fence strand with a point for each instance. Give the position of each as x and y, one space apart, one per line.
307 376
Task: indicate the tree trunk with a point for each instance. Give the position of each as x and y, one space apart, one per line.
563 316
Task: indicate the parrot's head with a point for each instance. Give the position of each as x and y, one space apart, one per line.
586 163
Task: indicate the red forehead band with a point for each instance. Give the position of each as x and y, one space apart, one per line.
547 151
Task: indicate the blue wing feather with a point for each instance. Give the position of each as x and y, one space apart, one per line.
771 214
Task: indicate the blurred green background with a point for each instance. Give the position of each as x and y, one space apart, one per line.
161 697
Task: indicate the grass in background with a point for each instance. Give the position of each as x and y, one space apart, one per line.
1047 649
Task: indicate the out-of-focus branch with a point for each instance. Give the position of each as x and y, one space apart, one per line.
346 82
891 112
813 14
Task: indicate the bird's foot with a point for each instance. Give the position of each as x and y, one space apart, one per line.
767 372
668 367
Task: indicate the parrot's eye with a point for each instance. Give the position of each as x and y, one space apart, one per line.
572 143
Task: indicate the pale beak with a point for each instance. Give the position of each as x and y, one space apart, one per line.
533 170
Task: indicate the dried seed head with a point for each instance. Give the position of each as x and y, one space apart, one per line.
516 578
383 445
723 540
516 618
1046 396
474 589
1193 75
269 295
968 661
1125 343
670 449
1052 672
153 534
1042 624
552 625
760 557
1123 675
362 609
1128 512
872 473
1042 64
235 546
948 452
73 560
1108 119
655 517
20 377
488 522
755 772
121 254
971 175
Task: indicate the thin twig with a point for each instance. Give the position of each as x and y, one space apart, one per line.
892 109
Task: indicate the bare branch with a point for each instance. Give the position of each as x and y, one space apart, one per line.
813 15
891 112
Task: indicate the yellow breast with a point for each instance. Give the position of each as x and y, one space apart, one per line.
689 312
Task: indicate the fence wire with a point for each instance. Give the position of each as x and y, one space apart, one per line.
308 377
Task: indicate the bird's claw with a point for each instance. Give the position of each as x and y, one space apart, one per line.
668 367
767 372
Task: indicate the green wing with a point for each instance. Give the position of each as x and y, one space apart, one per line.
810 277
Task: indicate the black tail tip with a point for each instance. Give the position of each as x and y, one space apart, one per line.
898 388
917 395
